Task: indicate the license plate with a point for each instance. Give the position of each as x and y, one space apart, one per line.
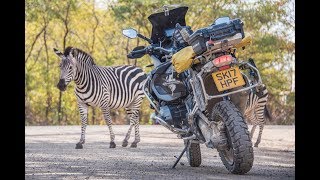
228 79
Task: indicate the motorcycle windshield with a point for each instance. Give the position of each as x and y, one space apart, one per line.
160 22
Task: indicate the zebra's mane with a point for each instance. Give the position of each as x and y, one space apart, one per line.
87 60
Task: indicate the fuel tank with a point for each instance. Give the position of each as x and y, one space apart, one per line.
166 84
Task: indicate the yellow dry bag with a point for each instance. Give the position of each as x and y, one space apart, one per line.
183 59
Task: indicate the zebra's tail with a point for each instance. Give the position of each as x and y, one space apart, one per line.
267 113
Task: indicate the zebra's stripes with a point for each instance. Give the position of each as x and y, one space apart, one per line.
256 110
105 87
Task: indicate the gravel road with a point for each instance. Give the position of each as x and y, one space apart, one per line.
50 154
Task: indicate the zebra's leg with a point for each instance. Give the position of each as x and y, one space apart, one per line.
83 109
125 141
259 136
136 129
252 131
107 118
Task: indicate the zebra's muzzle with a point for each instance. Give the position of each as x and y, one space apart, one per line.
62 85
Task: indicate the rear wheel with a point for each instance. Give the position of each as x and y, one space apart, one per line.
193 154
238 156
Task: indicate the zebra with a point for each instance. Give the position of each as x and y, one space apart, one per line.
109 87
256 110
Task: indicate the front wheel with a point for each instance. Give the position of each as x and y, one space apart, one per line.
193 154
238 156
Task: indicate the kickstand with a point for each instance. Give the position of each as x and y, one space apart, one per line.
178 159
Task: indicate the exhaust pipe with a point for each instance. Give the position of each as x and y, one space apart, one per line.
166 125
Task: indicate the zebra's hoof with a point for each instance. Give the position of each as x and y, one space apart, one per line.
112 145
79 146
133 145
255 145
124 143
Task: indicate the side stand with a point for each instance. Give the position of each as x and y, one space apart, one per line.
184 150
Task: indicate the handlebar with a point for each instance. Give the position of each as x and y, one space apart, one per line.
149 50
166 51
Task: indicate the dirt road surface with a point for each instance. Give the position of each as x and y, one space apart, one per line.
50 154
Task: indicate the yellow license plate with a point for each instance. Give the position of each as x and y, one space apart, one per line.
228 79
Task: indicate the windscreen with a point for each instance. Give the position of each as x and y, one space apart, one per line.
160 22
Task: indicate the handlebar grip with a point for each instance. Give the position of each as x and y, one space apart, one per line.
132 54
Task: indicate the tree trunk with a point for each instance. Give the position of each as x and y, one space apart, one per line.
93 116
48 101
135 60
127 51
92 50
59 107
66 23
66 119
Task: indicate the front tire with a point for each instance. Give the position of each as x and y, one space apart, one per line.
238 156
193 154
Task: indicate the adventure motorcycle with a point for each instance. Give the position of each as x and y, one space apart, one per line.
198 88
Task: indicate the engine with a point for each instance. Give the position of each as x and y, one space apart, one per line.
174 114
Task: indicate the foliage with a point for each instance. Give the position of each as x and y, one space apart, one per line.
97 30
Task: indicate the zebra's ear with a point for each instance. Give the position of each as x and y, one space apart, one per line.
58 53
74 52
73 55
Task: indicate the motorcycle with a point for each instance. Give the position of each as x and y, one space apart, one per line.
198 87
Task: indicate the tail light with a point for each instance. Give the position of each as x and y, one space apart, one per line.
222 60
224 67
